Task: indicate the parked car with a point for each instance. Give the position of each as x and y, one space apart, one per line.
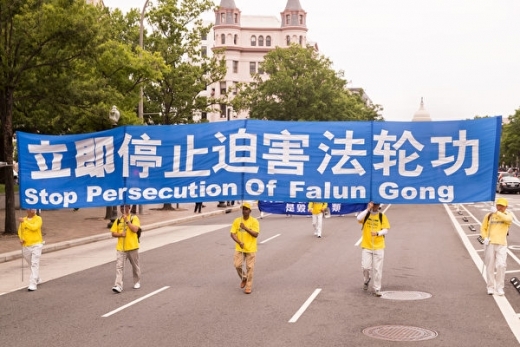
508 184
15 174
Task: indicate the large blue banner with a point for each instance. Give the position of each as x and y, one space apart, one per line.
342 162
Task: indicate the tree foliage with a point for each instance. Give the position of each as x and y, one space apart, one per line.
176 29
63 64
510 141
299 84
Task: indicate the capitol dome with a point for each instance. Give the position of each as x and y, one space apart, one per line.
421 115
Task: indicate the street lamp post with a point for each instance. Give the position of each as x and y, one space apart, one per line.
141 29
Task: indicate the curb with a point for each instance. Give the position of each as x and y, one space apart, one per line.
5 257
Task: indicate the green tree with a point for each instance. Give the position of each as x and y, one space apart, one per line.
301 86
510 141
62 65
176 31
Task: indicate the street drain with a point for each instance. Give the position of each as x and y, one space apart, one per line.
399 333
404 295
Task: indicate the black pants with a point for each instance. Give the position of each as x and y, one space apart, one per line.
198 207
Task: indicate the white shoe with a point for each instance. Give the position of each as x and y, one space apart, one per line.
117 289
378 293
137 285
31 288
490 291
500 292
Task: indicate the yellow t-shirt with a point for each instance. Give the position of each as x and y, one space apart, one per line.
372 224
30 231
496 227
248 240
316 207
129 242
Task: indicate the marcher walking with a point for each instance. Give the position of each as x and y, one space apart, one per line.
31 239
244 232
198 207
374 227
494 231
317 209
125 230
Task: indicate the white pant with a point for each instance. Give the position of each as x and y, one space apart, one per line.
495 257
317 223
32 255
373 260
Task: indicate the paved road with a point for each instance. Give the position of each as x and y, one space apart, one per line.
190 294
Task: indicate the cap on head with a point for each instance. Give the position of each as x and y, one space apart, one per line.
502 201
246 205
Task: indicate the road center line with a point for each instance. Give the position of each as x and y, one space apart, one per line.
134 302
304 306
269 239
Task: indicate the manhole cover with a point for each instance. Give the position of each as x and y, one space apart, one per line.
403 295
399 333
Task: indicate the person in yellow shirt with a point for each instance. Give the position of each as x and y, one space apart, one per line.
494 230
30 234
374 227
244 231
125 230
317 209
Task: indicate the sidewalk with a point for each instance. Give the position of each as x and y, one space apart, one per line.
67 228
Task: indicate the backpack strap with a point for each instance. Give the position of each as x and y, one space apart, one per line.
368 216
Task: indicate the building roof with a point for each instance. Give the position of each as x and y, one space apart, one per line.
293 5
228 4
260 22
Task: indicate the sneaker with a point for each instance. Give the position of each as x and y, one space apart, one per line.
243 283
365 284
378 293
31 288
137 285
117 289
500 292
247 291
319 236
490 291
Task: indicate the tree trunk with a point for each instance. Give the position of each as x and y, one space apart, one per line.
167 207
6 115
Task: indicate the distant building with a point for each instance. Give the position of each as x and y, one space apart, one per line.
421 115
245 40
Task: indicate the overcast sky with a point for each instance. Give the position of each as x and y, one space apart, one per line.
462 57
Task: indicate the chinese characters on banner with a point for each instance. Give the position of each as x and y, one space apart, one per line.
341 162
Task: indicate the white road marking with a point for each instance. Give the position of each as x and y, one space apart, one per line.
304 306
269 239
134 302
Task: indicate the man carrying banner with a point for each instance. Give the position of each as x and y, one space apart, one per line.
494 231
30 234
125 230
244 232
374 228
317 209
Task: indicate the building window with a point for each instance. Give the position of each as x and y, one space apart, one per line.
223 88
236 18
223 18
288 40
268 41
235 66
301 40
253 40
235 87
252 67
204 115
260 40
204 36
287 19
261 68
223 111
301 19
204 51
223 39
235 39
